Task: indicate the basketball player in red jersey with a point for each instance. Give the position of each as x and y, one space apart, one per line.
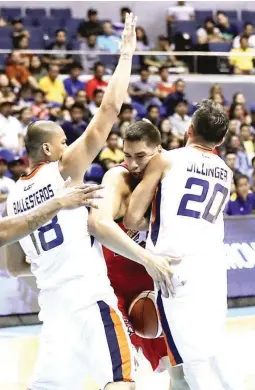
128 278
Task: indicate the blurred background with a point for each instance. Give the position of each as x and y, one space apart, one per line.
56 59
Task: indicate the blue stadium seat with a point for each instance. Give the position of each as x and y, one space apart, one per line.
61 13
6 44
248 16
36 43
35 32
184 26
50 25
5 32
35 12
11 13
201 15
220 46
239 24
110 60
3 60
7 154
29 21
94 173
72 26
136 63
232 14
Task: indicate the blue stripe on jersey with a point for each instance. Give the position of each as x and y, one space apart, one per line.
155 224
166 329
112 341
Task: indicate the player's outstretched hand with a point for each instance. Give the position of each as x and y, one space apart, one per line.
84 195
128 43
161 271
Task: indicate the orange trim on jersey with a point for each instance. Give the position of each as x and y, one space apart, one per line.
123 346
154 207
33 172
202 149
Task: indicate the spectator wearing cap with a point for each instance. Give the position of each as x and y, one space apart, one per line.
89 59
108 41
94 105
118 27
243 201
73 84
111 155
61 59
17 72
39 107
242 64
6 185
10 128
209 32
52 86
155 61
248 32
180 120
180 11
228 30
17 167
97 81
76 126
18 30
90 26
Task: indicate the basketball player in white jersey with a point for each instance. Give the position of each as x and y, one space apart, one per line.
14 228
192 187
82 328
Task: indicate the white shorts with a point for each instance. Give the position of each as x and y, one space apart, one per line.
91 340
194 319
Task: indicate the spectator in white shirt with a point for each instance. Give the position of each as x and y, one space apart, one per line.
248 32
94 105
209 32
6 185
10 129
180 120
180 11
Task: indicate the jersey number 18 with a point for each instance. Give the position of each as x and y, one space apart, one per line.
48 245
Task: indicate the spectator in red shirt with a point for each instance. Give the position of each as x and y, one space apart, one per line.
97 82
17 72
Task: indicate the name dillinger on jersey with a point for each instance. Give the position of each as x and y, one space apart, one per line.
207 170
33 200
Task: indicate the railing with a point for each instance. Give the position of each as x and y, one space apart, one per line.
192 64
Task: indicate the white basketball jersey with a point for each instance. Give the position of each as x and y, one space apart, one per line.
187 214
59 251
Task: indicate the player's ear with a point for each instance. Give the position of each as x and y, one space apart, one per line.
160 149
190 131
46 149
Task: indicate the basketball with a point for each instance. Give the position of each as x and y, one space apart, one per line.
143 315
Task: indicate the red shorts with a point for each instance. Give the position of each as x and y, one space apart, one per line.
153 349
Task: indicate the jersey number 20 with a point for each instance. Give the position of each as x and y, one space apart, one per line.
53 225
204 184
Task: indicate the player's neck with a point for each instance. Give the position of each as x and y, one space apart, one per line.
33 163
198 144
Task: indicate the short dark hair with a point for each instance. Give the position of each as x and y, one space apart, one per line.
239 177
183 101
243 37
39 91
210 121
143 68
125 106
143 130
97 64
125 9
151 106
97 91
248 24
252 160
163 68
75 65
60 30
79 106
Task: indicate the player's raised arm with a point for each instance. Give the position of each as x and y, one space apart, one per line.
83 151
14 228
135 216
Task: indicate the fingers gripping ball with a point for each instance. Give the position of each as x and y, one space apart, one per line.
144 317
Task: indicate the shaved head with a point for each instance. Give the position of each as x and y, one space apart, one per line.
39 134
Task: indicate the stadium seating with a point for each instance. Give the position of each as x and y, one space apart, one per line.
94 173
201 15
11 13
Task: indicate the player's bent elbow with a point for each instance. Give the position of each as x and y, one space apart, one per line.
130 221
110 107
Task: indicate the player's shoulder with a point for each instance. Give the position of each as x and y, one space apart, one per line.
118 176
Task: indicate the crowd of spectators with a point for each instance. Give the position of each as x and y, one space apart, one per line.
31 89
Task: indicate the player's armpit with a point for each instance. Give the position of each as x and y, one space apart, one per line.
16 261
143 194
